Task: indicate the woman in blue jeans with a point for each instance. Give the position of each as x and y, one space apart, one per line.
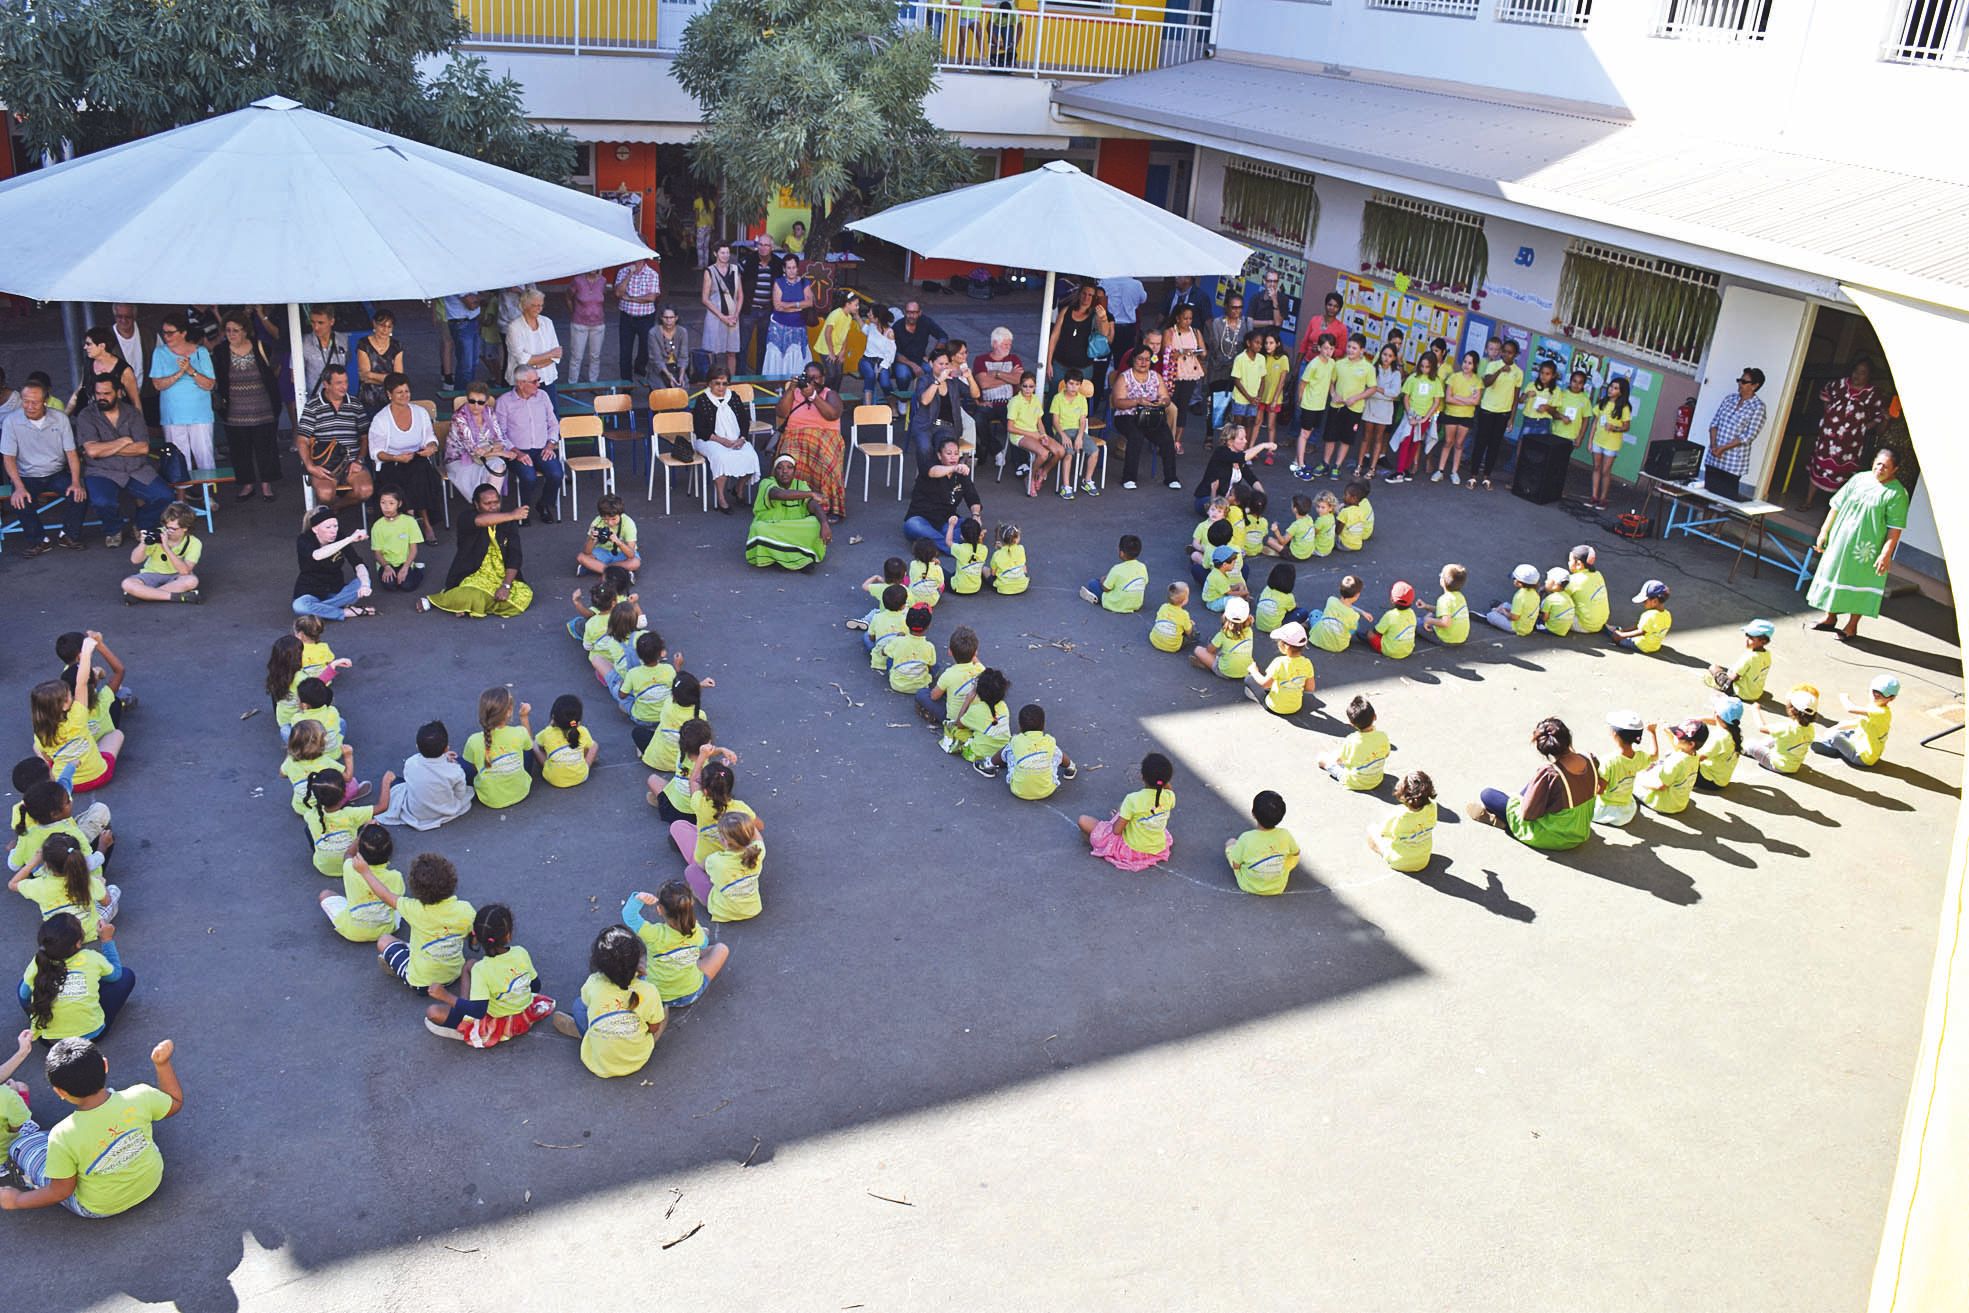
323 556
943 495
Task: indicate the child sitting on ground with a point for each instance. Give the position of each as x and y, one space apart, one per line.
1341 620
1276 602
395 538
618 1017
1216 533
984 723
70 1165
728 882
563 751
883 624
495 756
307 752
1653 624
1449 619
316 701
925 581
61 879
108 702
673 797
1519 615
1296 539
1405 836
645 686
1665 786
911 658
1363 755
1555 612
1717 762
1588 590
895 570
1783 749
1137 836
1744 678
1225 580
1618 771
608 658
1356 518
1394 634
682 959
1256 530
685 705
434 953
1034 762
1172 625
611 539
1262 859
357 914
941 700
590 620
166 560
1008 563
498 996
1229 652
46 809
58 711
1125 586
333 821
1288 680
969 555
1217 508
1861 737
433 789
318 659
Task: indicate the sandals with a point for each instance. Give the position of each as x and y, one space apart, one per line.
352 612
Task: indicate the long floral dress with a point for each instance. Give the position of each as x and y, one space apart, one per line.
1852 416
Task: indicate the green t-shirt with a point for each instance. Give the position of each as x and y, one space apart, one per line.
648 690
990 728
1408 837
502 779
1588 590
1145 819
1556 613
882 631
392 537
910 658
1524 611
673 957
1125 588
108 1150
1034 765
1654 625
78 1006
1617 774
618 1040
1299 536
1262 860
437 939
1171 626
1750 672
1271 609
1667 786
1570 411
1335 627
1364 759
505 982
1233 652
1454 612
1397 629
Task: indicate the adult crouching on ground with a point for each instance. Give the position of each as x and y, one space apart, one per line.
1555 809
327 557
943 496
484 578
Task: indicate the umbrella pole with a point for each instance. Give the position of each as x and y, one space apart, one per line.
297 368
1045 330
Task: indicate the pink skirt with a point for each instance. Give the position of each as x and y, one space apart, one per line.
1109 846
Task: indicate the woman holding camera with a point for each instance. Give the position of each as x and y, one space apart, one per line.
809 419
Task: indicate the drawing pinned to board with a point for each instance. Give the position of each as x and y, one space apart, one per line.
1522 336
1591 365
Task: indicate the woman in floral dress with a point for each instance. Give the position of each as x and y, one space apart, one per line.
1854 409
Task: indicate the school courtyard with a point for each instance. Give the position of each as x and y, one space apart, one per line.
958 1063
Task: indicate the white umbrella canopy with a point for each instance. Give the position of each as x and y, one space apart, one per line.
276 202
1058 219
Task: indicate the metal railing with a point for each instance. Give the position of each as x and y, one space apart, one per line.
1714 20
1033 38
1546 13
1931 32
1447 8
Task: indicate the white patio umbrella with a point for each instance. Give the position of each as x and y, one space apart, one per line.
1058 219
277 203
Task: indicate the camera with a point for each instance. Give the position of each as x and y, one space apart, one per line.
150 537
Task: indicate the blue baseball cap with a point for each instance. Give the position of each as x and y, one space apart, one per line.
1222 554
1887 686
1759 629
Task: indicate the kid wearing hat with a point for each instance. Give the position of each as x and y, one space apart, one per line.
1618 771
1745 677
1665 786
1519 615
1555 613
1654 623
1229 652
1588 591
1861 737
1224 580
1394 633
1289 678
1718 758
1783 749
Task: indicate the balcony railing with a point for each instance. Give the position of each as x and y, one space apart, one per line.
1032 38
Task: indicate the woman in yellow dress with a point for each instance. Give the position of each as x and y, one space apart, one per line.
485 573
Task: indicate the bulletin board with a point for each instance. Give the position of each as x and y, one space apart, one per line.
1644 388
1291 271
1372 307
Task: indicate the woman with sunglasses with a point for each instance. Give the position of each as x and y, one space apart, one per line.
475 450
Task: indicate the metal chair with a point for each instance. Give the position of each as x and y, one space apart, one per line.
677 424
874 417
584 428
1068 473
762 427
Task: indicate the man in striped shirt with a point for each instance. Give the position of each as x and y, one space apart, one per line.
329 440
637 286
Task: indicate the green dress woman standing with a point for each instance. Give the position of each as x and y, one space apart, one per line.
787 527
485 572
1857 541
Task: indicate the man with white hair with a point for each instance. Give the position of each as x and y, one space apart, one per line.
998 373
526 415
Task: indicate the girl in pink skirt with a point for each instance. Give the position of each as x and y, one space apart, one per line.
1137 836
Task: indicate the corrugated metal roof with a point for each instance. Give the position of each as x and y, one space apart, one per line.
1829 218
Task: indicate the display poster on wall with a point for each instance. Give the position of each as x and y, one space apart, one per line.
1643 392
1291 271
1373 308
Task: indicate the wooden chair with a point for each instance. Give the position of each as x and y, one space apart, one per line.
677 424
662 399
440 427
874 417
618 413
584 428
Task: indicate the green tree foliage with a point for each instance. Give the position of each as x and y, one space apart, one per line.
823 96
96 73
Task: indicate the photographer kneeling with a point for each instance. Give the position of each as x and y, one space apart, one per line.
167 555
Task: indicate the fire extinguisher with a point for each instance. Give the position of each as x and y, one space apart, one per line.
1685 419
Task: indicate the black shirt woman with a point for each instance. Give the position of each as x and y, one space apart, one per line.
327 557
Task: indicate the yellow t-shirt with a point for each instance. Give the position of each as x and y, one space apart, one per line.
1408 837
1008 570
1789 743
1353 526
1589 601
109 1151
505 982
1299 537
1455 613
332 834
1334 629
1461 392
1524 611
1145 820
673 957
49 892
1069 413
27 847
315 658
1315 384
661 754
925 583
1420 394
593 630
989 727
1276 367
1324 530
1667 786
1217 584
618 1040
1125 587
970 568
1353 378
955 683
74 744
189 550
1024 413
1289 677
1750 671
1271 609
910 658
1570 411
566 765
834 333
1233 652
1262 860
330 720
882 631
1617 775
1397 629
734 885
437 939
1171 628
1871 741
1556 613
1654 625
367 918
502 779
648 691
1717 761
1034 766
1248 372
1364 759
1501 393
78 1006
392 537
1607 438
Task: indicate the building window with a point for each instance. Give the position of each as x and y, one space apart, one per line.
1714 20
1441 249
1270 204
1546 13
1932 32
1452 8
1653 308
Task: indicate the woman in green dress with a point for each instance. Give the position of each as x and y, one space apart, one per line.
1555 810
485 572
1856 544
788 529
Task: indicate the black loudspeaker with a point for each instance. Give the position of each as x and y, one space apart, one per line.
1541 473
1676 462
